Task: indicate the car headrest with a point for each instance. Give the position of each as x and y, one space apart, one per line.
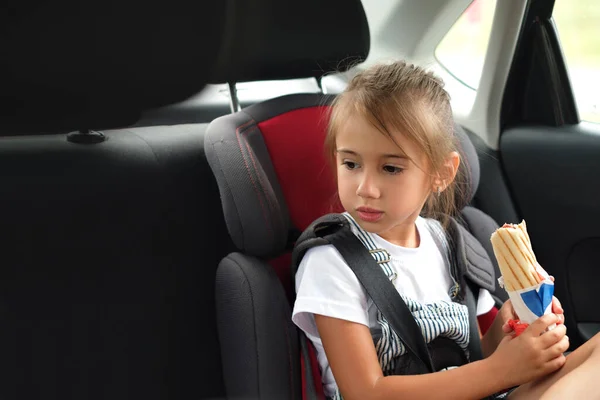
470 165
273 39
272 173
72 64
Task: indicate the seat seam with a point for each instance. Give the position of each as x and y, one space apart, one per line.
238 136
270 204
227 187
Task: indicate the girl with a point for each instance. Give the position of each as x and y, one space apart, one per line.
391 137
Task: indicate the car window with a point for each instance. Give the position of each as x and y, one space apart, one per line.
462 51
578 26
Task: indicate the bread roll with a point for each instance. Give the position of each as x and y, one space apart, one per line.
517 262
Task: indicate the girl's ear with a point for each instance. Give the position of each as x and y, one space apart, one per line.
448 172
450 168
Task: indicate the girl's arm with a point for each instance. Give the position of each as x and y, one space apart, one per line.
495 333
353 360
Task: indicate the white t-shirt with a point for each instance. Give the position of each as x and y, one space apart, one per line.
325 285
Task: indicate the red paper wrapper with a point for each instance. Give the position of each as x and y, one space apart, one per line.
517 326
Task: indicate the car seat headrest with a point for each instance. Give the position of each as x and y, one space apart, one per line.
271 172
470 164
273 175
273 39
71 65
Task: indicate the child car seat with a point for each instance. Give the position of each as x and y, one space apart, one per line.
273 178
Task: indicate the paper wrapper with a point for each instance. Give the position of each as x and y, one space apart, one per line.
528 285
533 302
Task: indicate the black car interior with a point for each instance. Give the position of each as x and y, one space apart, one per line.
151 259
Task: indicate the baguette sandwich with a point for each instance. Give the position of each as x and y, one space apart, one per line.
517 262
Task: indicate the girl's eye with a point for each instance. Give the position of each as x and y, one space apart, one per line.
392 170
350 164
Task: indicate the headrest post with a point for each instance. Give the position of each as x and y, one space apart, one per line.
320 84
86 136
234 102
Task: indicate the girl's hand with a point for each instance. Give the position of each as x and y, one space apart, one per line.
557 307
509 313
533 354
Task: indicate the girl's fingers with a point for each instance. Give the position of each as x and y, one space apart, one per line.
541 325
558 310
559 348
553 337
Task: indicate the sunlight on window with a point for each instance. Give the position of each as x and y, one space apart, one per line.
578 25
462 51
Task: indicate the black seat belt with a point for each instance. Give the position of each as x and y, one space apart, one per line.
475 352
309 384
383 293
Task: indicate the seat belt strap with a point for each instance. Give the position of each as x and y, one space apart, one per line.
383 294
475 352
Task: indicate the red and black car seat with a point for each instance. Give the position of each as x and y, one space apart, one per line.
273 179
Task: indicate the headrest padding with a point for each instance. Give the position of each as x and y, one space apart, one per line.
470 163
72 64
253 206
274 39
271 170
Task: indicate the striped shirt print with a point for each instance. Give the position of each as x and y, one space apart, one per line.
447 319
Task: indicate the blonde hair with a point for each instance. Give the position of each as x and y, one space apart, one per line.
405 98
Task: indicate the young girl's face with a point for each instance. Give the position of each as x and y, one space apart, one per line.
378 183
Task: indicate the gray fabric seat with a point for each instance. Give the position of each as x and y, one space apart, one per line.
108 258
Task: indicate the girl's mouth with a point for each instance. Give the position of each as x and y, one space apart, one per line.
369 214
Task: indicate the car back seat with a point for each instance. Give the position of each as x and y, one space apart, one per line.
108 248
108 267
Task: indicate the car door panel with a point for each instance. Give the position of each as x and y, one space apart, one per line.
553 176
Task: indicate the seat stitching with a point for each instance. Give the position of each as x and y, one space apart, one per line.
274 206
227 187
238 136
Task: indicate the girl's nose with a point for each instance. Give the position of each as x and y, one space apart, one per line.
368 187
